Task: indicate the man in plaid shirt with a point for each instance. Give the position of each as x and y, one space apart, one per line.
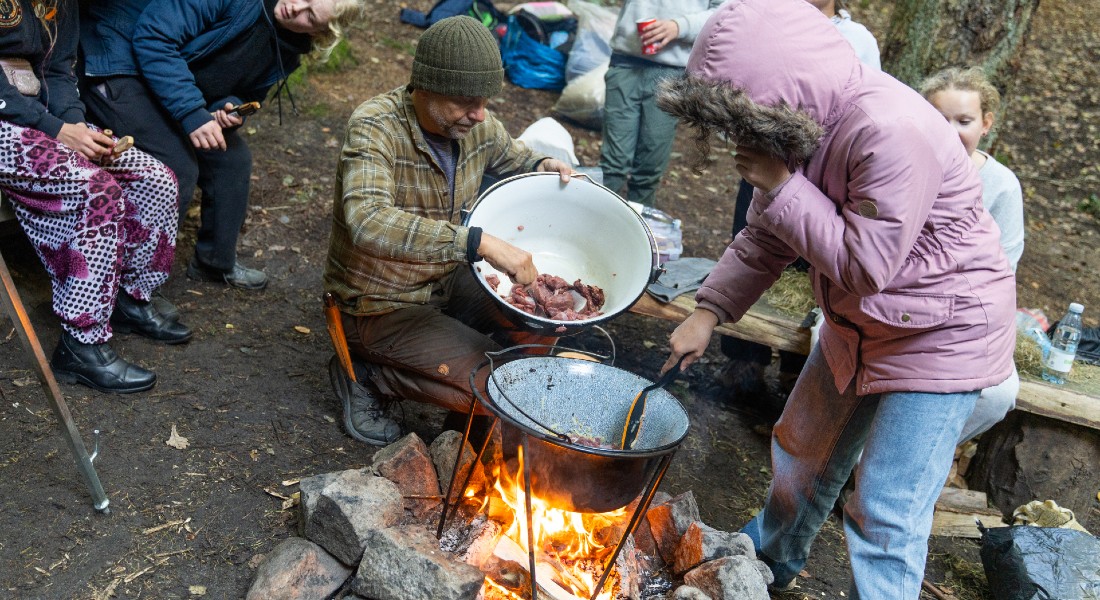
417 321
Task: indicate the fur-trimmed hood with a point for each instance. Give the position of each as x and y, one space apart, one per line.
742 78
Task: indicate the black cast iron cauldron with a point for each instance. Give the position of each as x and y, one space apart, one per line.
550 398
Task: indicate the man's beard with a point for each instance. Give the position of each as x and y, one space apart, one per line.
456 130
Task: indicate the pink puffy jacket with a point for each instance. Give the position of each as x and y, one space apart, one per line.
886 208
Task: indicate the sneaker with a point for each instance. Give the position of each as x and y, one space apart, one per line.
239 276
787 587
363 414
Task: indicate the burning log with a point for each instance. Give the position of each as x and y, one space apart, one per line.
509 553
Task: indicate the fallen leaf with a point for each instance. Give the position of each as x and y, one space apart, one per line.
649 344
229 326
176 440
301 329
23 381
197 590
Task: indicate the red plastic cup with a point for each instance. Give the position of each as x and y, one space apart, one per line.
642 24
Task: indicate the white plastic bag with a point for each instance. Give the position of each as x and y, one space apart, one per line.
549 137
592 46
582 99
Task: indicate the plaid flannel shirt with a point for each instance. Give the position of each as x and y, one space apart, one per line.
395 227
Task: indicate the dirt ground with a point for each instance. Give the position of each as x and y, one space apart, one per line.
251 396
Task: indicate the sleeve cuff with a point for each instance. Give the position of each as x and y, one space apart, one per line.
473 242
195 119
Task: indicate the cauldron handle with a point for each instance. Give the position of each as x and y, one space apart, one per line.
489 355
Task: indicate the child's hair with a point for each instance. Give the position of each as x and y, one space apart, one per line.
972 79
344 14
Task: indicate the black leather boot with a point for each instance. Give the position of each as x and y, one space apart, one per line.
99 367
135 316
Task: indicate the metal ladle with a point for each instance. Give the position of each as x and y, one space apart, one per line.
637 408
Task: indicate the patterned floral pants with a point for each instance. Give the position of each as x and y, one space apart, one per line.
96 228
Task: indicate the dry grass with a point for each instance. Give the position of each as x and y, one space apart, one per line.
792 293
1028 356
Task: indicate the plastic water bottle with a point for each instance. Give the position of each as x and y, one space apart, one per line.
1063 346
667 231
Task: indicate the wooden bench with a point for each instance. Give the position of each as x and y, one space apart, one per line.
766 325
1049 448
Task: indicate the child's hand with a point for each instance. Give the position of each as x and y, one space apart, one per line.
660 33
764 171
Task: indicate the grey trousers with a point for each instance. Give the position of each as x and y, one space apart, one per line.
637 136
426 353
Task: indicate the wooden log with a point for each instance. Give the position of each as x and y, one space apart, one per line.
960 500
762 323
1031 457
1059 403
960 524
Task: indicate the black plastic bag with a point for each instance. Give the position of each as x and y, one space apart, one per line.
1041 563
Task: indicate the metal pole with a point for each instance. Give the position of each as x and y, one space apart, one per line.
14 307
530 528
647 497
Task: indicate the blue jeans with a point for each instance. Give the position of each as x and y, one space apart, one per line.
908 442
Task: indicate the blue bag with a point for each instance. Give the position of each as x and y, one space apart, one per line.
528 63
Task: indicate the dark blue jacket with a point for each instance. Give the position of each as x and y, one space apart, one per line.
156 39
22 35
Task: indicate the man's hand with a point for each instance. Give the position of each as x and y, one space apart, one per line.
764 171
90 143
208 137
691 338
226 120
517 264
553 164
660 33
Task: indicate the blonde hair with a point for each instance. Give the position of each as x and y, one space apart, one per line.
971 79
345 13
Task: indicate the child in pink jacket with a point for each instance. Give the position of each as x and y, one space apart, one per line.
858 174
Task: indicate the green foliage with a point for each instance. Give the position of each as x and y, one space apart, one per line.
1090 205
400 46
338 59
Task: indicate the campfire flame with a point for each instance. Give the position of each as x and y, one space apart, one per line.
574 546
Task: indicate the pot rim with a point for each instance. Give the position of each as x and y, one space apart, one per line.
550 326
556 440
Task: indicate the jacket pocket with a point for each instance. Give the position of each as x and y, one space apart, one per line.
909 311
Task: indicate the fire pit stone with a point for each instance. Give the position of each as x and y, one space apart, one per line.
703 543
670 521
350 505
443 451
407 463
731 578
297 568
686 592
405 562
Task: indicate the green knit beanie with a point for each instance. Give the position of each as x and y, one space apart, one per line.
458 56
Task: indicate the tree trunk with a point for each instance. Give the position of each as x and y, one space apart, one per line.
926 36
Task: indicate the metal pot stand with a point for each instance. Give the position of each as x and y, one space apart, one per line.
13 306
654 469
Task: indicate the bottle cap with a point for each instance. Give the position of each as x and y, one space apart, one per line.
1077 308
